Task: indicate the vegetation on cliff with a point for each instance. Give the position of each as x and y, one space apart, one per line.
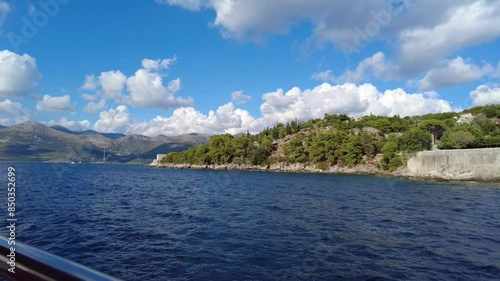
344 141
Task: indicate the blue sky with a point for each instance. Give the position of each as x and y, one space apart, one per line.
172 67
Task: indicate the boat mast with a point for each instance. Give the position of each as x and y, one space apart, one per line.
104 156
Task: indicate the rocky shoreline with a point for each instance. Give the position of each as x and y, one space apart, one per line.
363 169
278 167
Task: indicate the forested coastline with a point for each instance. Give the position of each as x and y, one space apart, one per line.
341 141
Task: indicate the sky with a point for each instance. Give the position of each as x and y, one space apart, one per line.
170 67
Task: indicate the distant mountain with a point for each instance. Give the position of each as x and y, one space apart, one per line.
63 129
87 132
31 141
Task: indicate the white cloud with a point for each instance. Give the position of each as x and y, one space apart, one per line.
76 126
484 95
376 66
337 22
54 104
193 5
89 97
239 98
226 119
8 106
398 102
114 120
452 73
345 99
18 74
280 107
13 113
158 64
421 33
147 90
92 106
144 89
326 76
91 83
464 24
112 83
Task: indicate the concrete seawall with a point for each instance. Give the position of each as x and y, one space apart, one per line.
465 164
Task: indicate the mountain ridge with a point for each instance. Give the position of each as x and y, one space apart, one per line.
33 141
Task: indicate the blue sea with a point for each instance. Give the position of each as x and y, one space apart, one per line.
138 223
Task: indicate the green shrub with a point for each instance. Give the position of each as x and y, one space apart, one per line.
395 163
322 166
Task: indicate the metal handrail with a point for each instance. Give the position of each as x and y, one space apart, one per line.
32 264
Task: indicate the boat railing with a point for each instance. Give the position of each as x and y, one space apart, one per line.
32 264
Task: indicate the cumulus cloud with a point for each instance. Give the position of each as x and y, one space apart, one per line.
112 84
77 126
376 66
239 98
18 74
420 32
8 106
346 99
452 73
279 107
158 64
93 107
226 119
89 97
91 83
325 76
13 113
421 45
484 95
332 21
54 104
114 120
145 88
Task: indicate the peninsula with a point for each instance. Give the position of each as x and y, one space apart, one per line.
448 146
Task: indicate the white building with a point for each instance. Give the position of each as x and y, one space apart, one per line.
465 118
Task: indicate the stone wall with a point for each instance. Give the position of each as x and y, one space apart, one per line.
465 164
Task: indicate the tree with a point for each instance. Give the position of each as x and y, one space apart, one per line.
457 139
201 155
483 122
221 150
296 150
389 151
240 146
435 127
395 163
384 125
415 140
350 153
258 155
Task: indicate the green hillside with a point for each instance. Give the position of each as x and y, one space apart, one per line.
341 140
